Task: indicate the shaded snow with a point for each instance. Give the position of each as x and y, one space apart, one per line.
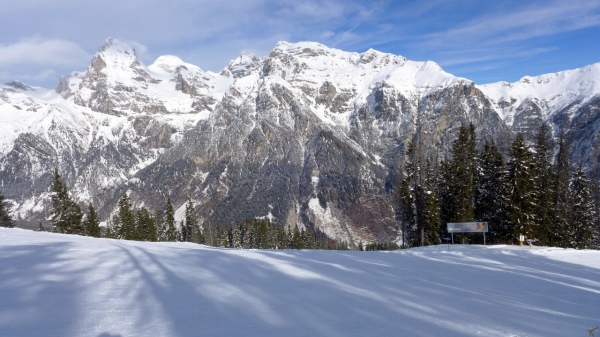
60 285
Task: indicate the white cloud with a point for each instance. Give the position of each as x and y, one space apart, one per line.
519 24
210 33
37 51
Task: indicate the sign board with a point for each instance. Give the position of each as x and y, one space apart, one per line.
467 227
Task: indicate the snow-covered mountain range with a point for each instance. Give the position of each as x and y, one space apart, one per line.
307 135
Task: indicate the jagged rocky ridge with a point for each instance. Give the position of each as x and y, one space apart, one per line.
307 135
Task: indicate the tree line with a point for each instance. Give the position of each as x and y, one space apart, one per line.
532 191
528 193
143 225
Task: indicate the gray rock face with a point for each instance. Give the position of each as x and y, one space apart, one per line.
307 136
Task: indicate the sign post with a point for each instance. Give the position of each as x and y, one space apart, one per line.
521 239
447 239
467 227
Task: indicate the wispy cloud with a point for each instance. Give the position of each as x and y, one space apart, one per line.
41 52
519 25
454 33
474 56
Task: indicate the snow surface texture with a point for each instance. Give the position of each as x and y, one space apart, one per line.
61 285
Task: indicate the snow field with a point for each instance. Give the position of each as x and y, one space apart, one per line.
61 285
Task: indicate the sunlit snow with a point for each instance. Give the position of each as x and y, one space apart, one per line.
61 285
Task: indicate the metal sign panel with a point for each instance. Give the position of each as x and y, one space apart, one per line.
467 227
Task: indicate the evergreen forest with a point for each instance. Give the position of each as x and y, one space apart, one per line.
529 192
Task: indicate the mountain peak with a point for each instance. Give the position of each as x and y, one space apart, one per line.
288 46
243 65
115 51
19 85
168 63
112 44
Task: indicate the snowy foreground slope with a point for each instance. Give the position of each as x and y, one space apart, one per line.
59 285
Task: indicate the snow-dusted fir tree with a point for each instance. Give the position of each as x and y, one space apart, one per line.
582 216
491 195
171 229
407 193
125 220
145 226
419 201
521 192
91 223
192 231
5 218
561 207
431 218
239 235
544 184
458 182
66 214
595 182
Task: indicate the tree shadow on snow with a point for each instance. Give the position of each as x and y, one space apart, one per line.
38 290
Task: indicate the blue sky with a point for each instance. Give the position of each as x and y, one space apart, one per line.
485 41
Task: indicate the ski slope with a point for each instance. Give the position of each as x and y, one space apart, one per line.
61 285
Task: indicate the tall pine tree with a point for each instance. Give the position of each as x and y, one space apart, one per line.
171 228
125 220
582 216
145 225
91 224
66 214
5 218
459 176
559 235
595 182
418 199
543 185
522 195
491 196
192 231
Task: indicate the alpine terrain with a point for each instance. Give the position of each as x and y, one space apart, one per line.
306 136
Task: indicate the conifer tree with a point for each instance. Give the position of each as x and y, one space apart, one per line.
595 182
491 197
464 168
559 235
171 230
161 228
182 232
145 226
239 235
297 239
432 220
91 224
407 189
543 184
420 206
191 223
5 218
125 220
582 215
521 193
66 214
445 192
